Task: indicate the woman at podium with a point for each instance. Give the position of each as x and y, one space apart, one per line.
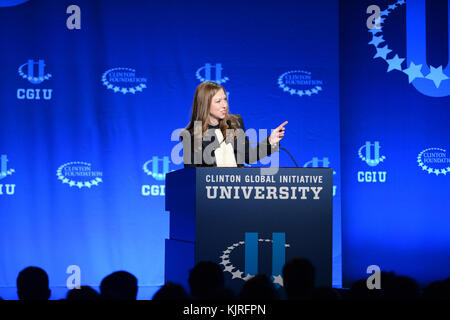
216 138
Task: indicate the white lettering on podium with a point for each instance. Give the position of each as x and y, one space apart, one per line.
263 192
316 191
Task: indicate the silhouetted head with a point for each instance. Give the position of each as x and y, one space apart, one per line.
360 291
206 280
398 287
84 293
325 294
438 290
171 291
258 288
32 284
298 278
120 285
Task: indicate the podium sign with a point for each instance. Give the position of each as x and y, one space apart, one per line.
249 223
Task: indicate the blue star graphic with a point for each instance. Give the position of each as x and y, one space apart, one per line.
382 52
375 30
413 72
395 63
384 13
376 40
392 7
399 2
436 75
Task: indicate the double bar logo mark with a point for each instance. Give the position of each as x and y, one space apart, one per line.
251 256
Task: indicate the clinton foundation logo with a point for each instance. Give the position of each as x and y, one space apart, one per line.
34 73
156 168
370 154
123 80
300 83
434 161
7 188
432 81
240 259
79 175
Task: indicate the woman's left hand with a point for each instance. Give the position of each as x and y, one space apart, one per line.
277 134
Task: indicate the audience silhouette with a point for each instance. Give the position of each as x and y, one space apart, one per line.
206 282
120 285
298 279
84 293
325 294
171 292
33 284
258 288
359 291
438 290
398 287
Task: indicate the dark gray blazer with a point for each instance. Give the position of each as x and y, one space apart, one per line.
243 151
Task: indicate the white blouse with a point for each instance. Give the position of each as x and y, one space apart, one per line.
225 153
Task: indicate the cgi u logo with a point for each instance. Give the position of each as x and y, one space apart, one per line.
324 163
278 254
4 167
8 188
371 159
30 74
315 163
207 74
155 171
416 52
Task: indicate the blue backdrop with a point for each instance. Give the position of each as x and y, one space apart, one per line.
87 117
395 112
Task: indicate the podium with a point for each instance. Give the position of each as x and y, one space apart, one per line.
249 222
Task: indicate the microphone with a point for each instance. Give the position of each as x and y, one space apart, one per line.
289 155
283 150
